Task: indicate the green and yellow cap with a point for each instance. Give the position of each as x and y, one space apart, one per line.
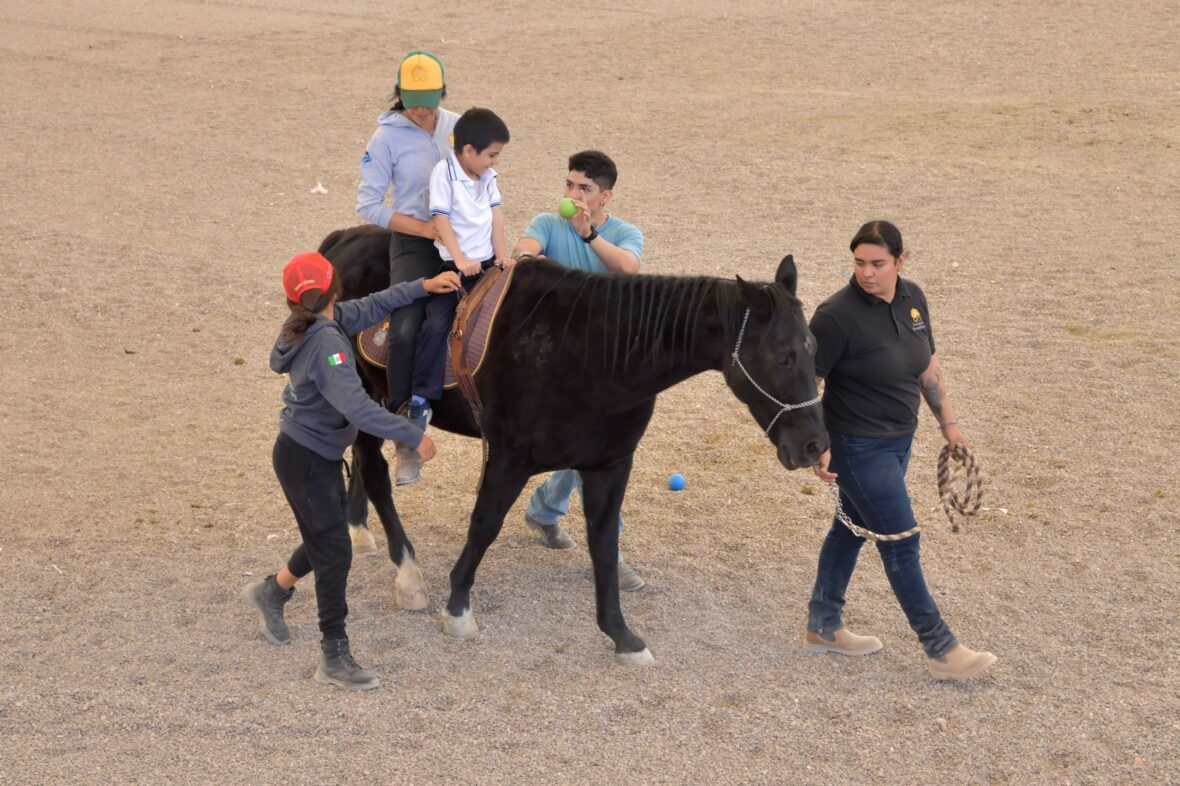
420 80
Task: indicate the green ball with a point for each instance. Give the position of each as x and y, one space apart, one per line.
566 208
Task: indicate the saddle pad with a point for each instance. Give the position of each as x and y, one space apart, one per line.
372 341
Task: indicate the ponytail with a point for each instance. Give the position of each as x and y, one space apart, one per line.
304 313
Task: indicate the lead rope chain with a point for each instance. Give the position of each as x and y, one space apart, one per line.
966 504
784 407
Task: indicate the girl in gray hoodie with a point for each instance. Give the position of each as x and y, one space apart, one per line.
324 404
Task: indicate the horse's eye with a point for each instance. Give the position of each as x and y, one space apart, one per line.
785 359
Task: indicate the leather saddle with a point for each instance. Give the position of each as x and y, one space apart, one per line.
473 319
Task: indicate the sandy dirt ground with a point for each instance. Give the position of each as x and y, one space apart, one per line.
156 163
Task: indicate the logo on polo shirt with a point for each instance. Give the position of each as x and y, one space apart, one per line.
916 317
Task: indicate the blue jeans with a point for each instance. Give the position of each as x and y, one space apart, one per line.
551 500
873 494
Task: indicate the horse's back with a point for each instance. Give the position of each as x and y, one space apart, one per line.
360 255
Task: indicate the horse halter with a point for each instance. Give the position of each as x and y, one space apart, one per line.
783 407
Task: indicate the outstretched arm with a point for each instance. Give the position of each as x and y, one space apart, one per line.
934 391
526 246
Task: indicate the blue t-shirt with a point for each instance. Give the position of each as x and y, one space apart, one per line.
560 242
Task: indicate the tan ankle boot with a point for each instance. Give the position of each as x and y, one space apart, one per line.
960 664
842 641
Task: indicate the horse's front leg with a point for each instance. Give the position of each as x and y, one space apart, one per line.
502 483
373 470
602 499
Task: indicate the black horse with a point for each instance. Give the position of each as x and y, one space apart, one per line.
573 367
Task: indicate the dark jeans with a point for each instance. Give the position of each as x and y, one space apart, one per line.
410 258
314 487
873 494
430 353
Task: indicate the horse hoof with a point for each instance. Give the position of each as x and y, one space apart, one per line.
641 658
413 600
362 540
461 627
409 586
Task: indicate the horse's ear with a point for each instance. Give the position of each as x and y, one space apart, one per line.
787 275
754 297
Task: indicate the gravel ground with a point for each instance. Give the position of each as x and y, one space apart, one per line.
155 174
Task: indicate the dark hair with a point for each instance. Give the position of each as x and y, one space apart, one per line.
879 233
305 311
396 98
479 128
597 166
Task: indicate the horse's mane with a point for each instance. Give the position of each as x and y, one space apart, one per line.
645 317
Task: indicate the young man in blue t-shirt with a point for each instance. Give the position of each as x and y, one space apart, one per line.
593 241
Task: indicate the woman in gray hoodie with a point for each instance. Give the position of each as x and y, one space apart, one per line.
414 135
324 404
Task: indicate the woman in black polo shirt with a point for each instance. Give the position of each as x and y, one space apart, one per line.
876 355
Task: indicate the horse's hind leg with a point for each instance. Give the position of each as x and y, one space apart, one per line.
373 471
358 512
602 498
501 486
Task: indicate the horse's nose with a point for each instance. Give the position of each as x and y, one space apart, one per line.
813 450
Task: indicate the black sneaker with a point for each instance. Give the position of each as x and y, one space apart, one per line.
338 668
269 598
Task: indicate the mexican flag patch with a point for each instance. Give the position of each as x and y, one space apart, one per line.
336 360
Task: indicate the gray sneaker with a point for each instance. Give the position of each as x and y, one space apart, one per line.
338 668
269 598
629 580
552 535
409 466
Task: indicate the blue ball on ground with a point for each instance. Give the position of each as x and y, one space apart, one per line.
676 482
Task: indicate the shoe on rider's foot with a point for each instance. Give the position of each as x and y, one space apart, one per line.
960 664
269 598
629 580
338 668
552 535
409 465
841 641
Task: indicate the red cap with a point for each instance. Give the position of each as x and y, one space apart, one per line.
309 270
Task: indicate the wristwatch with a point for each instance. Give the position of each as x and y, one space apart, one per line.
590 237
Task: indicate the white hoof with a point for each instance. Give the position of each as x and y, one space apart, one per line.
362 540
461 627
409 586
641 658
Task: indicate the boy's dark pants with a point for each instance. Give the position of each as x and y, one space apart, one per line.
430 354
314 487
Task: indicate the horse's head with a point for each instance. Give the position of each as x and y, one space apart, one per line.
772 368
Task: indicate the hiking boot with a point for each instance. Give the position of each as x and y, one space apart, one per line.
409 466
552 535
841 641
960 664
269 598
629 580
338 668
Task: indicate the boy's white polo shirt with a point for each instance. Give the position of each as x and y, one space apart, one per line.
468 204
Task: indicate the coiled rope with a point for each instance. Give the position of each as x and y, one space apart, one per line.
951 466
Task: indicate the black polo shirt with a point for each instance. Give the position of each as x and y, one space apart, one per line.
870 355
